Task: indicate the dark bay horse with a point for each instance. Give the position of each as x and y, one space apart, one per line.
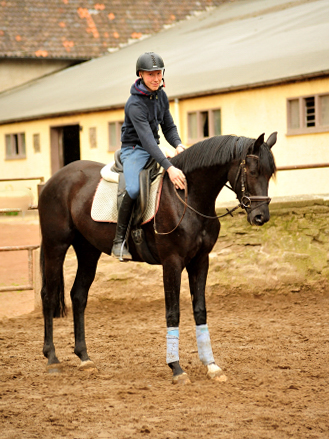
65 220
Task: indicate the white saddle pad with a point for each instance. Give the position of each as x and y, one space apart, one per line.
104 207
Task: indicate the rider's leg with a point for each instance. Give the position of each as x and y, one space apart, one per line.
119 250
133 159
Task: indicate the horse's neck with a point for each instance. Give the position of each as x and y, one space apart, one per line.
205 185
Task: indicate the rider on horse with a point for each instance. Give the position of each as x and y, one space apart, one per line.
146 108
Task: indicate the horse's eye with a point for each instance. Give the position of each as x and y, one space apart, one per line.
253 173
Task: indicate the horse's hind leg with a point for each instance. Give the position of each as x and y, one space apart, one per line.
88 257
52 295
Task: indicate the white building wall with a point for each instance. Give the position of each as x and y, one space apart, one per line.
247 113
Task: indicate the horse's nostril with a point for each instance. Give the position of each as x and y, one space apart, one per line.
259 219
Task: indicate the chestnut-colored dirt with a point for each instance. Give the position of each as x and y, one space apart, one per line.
273 346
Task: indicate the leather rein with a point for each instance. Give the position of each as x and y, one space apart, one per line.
245 201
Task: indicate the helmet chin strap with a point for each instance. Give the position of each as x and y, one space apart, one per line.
163 81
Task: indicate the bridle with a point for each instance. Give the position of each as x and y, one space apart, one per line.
245 200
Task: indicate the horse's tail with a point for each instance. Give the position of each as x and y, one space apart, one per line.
57 302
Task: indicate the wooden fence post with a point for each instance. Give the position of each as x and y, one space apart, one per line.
37 279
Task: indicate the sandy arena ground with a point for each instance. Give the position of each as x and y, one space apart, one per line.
273 347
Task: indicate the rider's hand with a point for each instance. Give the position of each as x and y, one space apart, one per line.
177 177
180 148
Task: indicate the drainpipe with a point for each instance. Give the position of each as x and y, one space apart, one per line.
177 119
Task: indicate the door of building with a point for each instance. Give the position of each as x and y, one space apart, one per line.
65 145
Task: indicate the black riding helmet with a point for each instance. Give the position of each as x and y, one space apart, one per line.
149 62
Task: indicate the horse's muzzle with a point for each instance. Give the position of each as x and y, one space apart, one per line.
259 219
257 214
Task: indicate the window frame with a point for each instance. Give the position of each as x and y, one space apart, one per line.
118 125
211 125
36 143
303 128
21 146
92 134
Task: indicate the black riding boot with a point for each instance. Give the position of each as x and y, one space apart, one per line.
119 250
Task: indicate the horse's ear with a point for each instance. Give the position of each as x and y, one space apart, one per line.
258 143
272 139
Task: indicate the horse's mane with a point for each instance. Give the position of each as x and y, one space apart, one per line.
220 150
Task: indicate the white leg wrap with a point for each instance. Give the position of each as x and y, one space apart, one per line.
204 345
172 344
213 369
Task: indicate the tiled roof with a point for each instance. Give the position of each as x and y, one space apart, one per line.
73 29
253 43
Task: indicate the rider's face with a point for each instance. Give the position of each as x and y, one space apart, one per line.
152 80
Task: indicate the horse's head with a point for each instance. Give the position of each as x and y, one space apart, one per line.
250 176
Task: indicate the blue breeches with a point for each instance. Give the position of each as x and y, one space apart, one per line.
133 159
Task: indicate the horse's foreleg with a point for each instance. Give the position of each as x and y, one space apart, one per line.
87 263
172 271
197 272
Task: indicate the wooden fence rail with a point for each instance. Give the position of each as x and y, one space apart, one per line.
29 249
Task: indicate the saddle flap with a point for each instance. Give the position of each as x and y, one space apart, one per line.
146 176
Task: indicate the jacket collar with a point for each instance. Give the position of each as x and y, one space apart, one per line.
141 88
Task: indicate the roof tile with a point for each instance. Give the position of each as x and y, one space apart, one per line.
84 29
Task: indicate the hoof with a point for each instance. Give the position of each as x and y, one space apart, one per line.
87 366
220 378
181 379
215 373
54 368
